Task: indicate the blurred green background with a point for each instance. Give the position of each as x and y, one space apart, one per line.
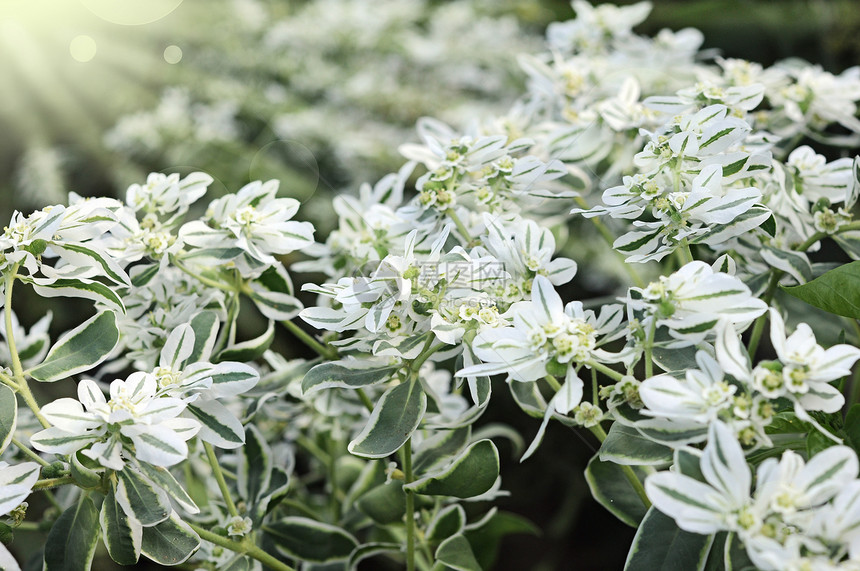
96 93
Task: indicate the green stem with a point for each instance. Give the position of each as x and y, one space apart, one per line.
553 382
685 252
611 373
244 547
461 228
26 450
48 483
17 369
202 279
631 476
649 349
595 389
365 400
426 351
306 338
410 506
610 240
758 327
219 477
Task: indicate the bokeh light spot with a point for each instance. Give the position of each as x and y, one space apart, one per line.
172 54
83 48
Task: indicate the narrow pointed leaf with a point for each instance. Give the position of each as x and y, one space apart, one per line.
219 426
336 375
80 349
162 478
8 416
122 534
205 326
95 291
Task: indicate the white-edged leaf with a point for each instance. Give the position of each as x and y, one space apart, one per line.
250 349
310 540
71 543
121 533
141 498
80 349
8 416
73 288
345 375
162 478
394 418
472 473
170 542
219 426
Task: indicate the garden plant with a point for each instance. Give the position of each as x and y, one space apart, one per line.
713 202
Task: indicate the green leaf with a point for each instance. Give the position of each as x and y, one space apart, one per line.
71 543
8 416
449 521
205 326
165 480
769 226
439 448
82 470
224 430
384 504
836 291
625 445
456 553
95 291
142 275
852 427
122 534
611 488
735 555
255 465
471 474
393 420
140 498
310 540
352 376
170 542
660 544
486 535
248 350
80 349
369 550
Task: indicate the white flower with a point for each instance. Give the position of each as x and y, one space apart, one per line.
254 222
693 300
135 419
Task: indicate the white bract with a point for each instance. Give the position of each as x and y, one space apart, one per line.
134 422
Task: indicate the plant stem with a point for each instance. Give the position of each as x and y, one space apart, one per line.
219 477
306 338
245 547
610 240
686 253
553 382
26 450
365 400
53 482
611 373
202 279
649 348
17 369
758 328
461 228
410 506
631 476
